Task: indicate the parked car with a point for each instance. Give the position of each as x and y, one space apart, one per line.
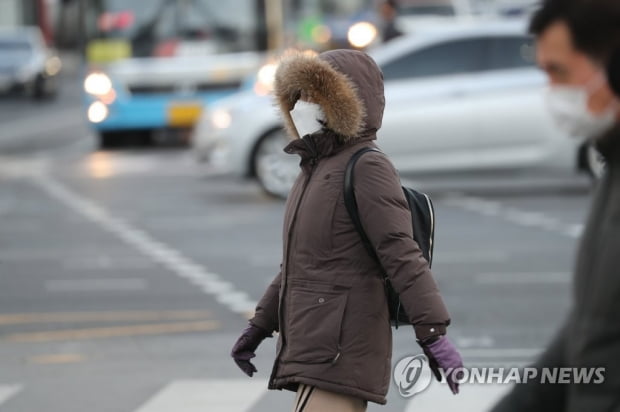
465 96
27 64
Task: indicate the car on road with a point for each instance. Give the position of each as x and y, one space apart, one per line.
27 64
459 97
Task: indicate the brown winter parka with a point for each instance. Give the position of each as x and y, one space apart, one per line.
328 301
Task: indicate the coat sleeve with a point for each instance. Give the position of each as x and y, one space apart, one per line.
266 315
386 218
535 396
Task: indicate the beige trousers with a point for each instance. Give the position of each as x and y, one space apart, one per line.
311 399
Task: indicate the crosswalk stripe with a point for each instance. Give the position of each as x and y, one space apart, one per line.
245 395
207 395
472 398
8 391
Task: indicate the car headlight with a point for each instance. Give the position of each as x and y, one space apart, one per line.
221 119
98 84
266 75
265 79
362 34
53 66
98 112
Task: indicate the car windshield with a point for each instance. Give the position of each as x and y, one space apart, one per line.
165 28
13 50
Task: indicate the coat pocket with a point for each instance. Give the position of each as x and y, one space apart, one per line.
315 318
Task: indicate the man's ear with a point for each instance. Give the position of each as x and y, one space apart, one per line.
613 72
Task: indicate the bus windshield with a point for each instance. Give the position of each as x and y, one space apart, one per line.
333 8
165 28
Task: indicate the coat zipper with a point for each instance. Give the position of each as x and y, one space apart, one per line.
284 278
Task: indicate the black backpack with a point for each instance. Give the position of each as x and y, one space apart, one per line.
422 219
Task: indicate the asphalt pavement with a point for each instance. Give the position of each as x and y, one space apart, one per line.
126 276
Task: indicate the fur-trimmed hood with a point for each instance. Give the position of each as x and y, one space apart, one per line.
347 84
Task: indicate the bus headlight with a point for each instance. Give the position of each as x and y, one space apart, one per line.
361 34
98 84
97 112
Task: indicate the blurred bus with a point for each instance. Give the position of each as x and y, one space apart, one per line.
155 65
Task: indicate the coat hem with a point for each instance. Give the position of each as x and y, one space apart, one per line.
293 382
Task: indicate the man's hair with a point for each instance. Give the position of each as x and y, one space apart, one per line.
594 24
392 3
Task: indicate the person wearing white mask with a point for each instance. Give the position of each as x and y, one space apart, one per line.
581 110
307 117
328 301
579 97
575 42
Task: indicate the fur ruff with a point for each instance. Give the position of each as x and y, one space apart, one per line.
332 90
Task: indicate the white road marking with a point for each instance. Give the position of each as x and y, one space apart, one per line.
243 396
207 395
575 230
484 341
501 354
471 398
519 217
8 391
523 278
472 257
106 263
95 285
212 284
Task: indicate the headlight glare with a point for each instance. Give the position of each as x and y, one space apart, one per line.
98 112
362 34
97 84
221 119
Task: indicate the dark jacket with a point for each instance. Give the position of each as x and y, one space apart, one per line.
590 337
390 32
328 302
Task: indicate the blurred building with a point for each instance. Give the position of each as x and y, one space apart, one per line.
42 13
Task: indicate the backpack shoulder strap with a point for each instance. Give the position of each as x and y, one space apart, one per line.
350 201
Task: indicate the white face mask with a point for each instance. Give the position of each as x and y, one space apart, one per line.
307 117
569 107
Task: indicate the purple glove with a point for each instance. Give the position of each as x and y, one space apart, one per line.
245 347
443 354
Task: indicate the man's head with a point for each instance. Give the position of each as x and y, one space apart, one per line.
575 38
388 9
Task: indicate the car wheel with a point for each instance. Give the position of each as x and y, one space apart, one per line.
44 87
275 170
594 162
39 88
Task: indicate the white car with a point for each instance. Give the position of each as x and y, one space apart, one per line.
27 64
466 96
